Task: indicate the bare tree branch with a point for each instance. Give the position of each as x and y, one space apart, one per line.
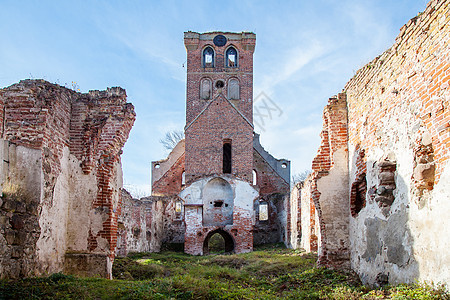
299 177
171 139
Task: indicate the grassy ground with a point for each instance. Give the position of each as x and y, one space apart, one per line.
271 273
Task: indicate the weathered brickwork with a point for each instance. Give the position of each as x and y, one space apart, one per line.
399 117
272 187
221 154
326 187
392 198
171 182
205 137
195 43
149 224
61 157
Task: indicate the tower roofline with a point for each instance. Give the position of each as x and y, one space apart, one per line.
244 35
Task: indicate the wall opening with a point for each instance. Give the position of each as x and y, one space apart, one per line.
218 241
208 57
231 58
227 157
254 180
358 195
263 211
183 178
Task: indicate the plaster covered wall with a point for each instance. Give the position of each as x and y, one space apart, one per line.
272 183
398 112
240 229
383 180
149 224
324 194
61 177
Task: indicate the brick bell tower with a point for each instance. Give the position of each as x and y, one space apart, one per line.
218 196
219 125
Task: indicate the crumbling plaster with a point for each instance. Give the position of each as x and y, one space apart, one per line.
243 215
61 177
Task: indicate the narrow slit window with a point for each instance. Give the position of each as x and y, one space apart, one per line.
178 207
263 211
183 178
227 158
254 177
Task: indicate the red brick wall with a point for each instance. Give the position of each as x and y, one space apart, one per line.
414 71
94 126
267 179
204 142
170 182
334 138
195 43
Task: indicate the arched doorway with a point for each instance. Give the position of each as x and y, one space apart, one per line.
213 242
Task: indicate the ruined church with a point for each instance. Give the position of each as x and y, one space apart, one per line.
377 200
219 179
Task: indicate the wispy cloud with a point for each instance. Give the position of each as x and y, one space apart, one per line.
290 63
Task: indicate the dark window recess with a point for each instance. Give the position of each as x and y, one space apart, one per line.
220 84
218 203
227 158
358 195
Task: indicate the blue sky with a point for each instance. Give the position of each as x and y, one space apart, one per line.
305 53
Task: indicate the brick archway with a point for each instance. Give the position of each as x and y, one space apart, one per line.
229 241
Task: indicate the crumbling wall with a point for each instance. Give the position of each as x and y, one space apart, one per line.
167 174
239 232
61 178
272 182
295 217
324 195
399 141
308 229
149 224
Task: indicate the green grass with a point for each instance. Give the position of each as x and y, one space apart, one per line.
271 272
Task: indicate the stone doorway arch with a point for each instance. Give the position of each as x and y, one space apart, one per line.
229 241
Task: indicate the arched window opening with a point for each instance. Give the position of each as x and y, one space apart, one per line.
208 57
227 157
183 178
263 211
231 58
205 89
254 181
233 89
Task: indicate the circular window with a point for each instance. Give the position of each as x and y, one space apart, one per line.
220 40
284 165
157 166
219 84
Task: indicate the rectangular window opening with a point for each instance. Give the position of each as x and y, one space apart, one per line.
227 158
263 211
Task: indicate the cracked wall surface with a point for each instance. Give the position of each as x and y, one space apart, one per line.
390 177
61 178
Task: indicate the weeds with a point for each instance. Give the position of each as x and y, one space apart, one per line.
269 273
